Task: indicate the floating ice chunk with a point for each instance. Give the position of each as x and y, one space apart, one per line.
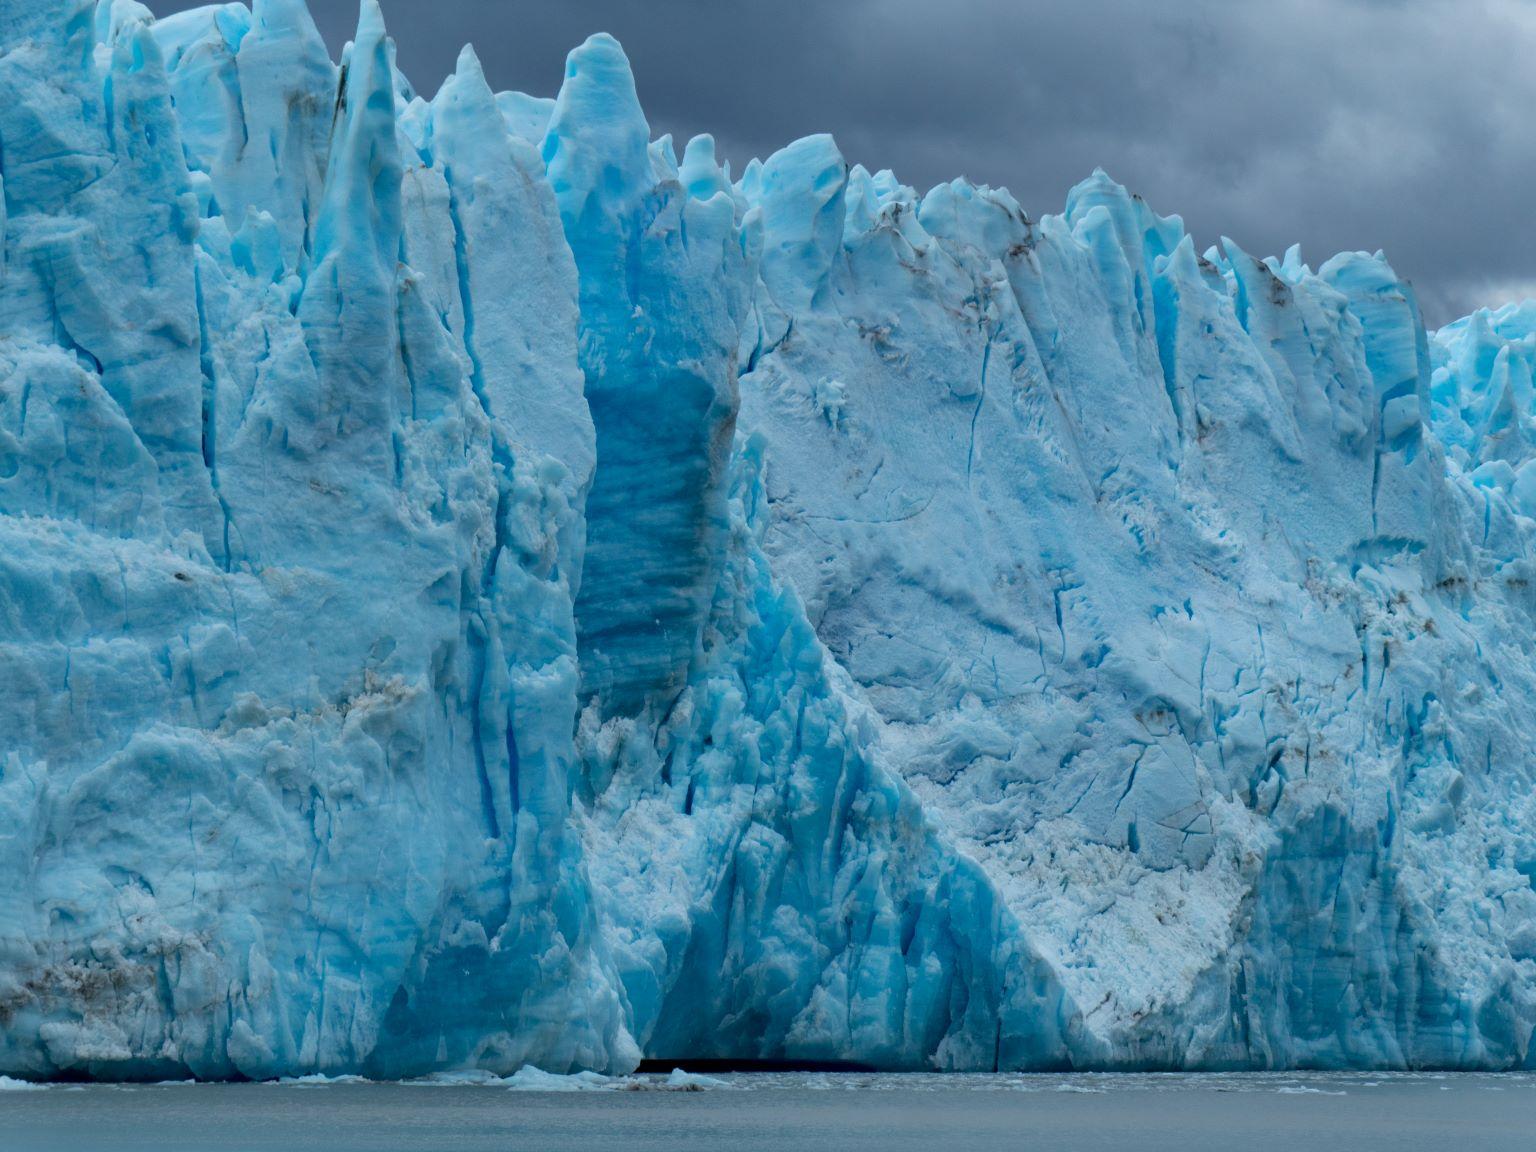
531 1079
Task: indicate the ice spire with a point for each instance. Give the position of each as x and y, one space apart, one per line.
660 375
802 203
361 206
595 151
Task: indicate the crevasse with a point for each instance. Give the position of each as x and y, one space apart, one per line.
479 590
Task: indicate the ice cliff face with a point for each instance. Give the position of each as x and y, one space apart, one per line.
476 589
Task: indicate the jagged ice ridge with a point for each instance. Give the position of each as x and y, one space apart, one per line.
477 590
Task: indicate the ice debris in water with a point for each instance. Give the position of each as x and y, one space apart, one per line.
479 591
531 1079
680 1081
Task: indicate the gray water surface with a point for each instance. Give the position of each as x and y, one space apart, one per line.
803 1112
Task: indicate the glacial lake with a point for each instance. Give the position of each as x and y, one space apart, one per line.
803 1112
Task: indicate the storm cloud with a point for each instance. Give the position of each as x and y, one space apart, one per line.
1404 125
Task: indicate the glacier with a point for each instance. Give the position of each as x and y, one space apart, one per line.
478 590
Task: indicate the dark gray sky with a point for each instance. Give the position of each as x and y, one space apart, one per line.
1408 125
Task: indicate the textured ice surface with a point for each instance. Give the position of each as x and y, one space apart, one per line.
477 590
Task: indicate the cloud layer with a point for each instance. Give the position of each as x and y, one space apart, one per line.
1405 125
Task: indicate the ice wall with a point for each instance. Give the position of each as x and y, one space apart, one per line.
476 589
291 546
1176 614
